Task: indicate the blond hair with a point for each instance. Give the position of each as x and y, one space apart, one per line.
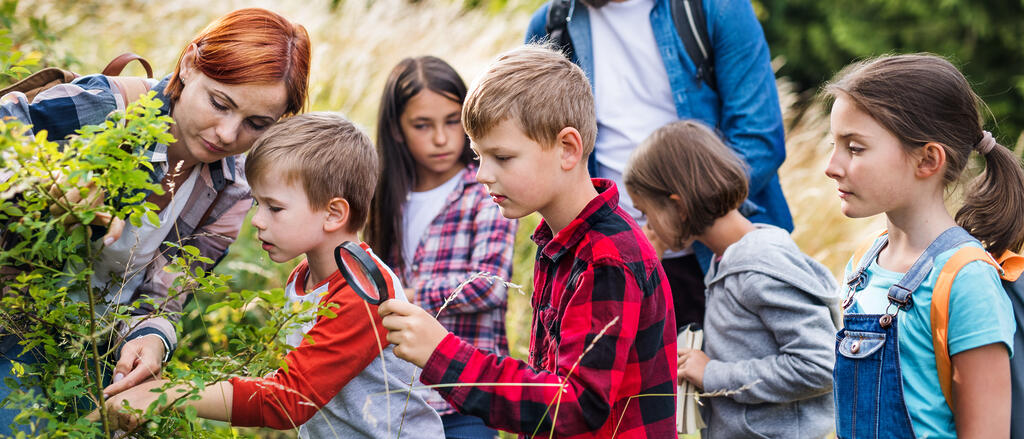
539 89
687 159
329 155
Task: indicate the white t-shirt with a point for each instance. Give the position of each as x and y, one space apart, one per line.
631 90
128 257
420 210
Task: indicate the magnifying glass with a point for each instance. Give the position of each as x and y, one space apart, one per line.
361 272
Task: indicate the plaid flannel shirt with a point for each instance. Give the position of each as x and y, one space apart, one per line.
469 236
213 213
577 384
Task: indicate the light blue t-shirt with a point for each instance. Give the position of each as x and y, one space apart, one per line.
980 313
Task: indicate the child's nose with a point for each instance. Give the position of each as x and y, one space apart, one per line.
440 138
833 169
257 219
483 175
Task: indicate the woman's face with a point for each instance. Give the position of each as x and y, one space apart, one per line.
213 120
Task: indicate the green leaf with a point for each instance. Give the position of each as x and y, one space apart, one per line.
153 218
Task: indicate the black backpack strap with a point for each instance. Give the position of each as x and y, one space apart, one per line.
557 25
692 27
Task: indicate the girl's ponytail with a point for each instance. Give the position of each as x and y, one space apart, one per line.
993 209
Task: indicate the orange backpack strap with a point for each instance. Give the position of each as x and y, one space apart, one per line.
1013 265
940 312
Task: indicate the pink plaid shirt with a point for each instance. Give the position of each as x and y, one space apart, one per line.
469 236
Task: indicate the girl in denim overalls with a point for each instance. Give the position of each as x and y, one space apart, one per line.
904 127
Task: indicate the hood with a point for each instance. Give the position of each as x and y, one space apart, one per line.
770 250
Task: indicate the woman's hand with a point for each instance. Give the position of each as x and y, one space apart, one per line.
141 361
692 363
93 199
413 331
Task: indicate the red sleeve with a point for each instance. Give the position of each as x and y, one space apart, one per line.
342 347
584 387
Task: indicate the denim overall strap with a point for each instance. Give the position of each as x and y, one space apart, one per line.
900 293
868 391
858 279
868 381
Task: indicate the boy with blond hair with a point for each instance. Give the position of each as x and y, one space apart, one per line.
312 177
602 351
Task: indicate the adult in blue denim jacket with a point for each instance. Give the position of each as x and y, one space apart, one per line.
744 109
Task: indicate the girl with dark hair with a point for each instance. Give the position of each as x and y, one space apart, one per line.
235 79
433 222
904 128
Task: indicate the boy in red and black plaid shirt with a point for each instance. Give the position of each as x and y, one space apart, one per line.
602 353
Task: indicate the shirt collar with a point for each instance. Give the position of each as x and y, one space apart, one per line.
606 201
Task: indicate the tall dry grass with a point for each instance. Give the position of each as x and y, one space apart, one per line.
354 48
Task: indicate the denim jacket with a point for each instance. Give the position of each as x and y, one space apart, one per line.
745 109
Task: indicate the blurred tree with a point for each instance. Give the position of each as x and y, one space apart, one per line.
815 39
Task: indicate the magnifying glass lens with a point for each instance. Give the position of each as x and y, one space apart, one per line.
361 279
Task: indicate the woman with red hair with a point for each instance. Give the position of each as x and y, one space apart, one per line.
234 80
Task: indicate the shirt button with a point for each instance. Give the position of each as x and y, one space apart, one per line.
855 347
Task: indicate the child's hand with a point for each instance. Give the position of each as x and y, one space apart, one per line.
691 366
138 397
413 331
659 246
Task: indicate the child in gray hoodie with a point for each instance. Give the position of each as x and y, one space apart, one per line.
772 311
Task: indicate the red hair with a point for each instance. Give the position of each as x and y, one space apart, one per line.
248 46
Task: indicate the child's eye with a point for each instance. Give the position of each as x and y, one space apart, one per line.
420 126
275 209
855 149
217 105
454 122
502 158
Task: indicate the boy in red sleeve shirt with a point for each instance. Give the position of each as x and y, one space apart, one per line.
602 352
313 176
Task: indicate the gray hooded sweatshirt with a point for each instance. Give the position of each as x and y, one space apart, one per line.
771 319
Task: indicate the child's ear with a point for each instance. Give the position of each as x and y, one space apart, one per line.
679 204
931 159
570 143
338 212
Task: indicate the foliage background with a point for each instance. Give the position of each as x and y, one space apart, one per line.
356 42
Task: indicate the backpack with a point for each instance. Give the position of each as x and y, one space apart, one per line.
129 87
1010 267
691 25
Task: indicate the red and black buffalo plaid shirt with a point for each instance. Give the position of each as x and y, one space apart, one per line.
599 268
